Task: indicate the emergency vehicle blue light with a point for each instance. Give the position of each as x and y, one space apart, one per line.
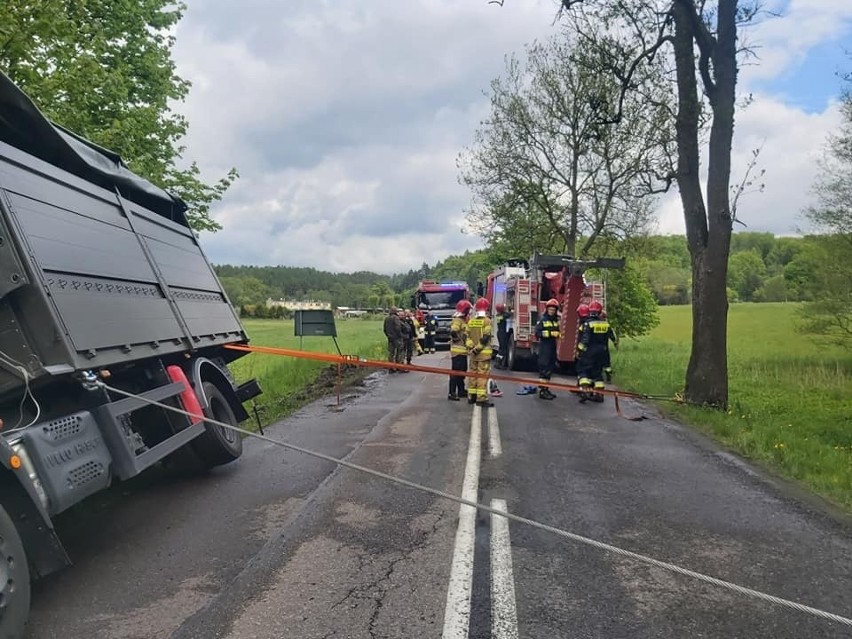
453 283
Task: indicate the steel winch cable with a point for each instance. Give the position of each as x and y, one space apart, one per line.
750 592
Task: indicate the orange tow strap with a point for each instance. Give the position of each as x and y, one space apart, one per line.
354 360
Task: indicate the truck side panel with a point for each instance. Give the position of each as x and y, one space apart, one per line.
107 281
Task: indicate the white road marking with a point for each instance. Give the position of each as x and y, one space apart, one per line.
504 617
457 610
495 448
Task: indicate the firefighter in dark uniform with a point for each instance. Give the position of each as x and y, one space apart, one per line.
594 344
458 349
410 332
393 329
547 332
431 329
502 336
582 318
608 363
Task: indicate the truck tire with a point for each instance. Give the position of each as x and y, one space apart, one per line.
218 445
14 580
513 354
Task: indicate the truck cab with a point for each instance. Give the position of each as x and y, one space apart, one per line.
440 299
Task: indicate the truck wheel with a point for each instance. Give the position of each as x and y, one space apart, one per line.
218 445
14 581
513 355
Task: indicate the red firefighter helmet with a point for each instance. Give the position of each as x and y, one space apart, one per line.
463 306
551 302
500 308
583 310
595 307
482 304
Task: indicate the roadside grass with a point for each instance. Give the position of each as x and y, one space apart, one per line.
790 396
289 383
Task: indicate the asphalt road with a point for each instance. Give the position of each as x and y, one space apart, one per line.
283 545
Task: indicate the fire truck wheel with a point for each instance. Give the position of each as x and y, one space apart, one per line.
14 580
513 355
218 445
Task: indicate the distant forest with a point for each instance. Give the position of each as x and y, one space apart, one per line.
762 268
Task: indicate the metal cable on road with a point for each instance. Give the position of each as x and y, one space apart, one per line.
502 513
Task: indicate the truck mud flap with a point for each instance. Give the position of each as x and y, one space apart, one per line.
248 390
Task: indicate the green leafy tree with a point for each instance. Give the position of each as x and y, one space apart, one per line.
831 312
245 291
746 273
103 69
774 289
631 307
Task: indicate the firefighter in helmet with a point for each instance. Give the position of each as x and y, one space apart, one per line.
458 349
594 345
430 329
608 363
547 332
479 352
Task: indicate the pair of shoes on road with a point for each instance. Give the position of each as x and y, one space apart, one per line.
497 393
527 390
453 398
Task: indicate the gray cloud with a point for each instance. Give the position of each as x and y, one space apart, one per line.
345 122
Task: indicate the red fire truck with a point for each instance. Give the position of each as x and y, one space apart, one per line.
524 286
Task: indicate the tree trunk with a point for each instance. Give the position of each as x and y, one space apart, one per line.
707 373
708 237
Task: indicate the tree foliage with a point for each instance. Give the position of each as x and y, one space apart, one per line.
545 173
103 69
631 307
831 312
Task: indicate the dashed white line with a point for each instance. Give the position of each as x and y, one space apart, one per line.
457 610
495 448
504 616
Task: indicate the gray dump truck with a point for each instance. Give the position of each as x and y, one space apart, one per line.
101 278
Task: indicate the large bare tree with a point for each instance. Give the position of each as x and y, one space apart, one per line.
545 171
702 38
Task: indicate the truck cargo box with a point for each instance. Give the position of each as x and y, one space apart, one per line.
98 267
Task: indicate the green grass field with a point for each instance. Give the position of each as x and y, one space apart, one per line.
790 398
284 379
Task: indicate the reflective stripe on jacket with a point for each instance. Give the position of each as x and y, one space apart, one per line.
457 344
548 328
478 329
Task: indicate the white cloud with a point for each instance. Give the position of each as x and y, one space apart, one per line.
791 142
345 121
783 42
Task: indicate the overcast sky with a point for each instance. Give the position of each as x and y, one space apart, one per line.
345 121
